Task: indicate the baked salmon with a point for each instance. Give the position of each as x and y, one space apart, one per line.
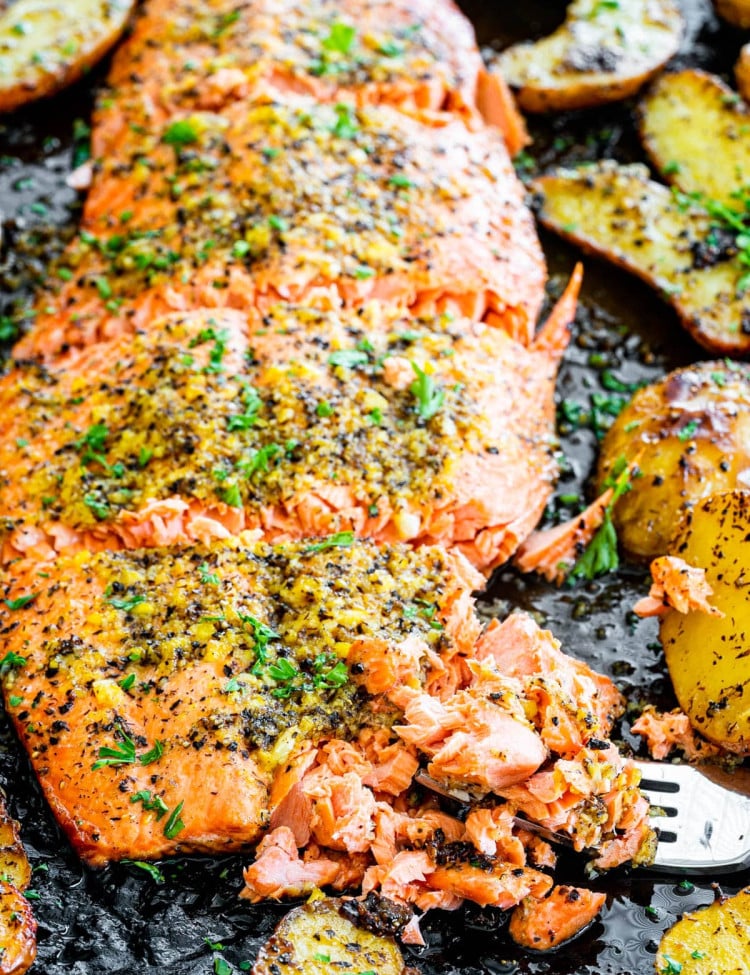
188 54
433 430
197 699
307 203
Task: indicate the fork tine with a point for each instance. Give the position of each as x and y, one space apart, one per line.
703 827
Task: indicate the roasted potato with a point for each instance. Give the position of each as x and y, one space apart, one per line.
619 213
707 656
697 132
17 932
46 45
712 941
689 436
14 865
316 940
742 72
737 12
604 51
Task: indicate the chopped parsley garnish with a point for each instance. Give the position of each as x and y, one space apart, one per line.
144 456
174 824
127 682
337 540
324 409
252 404
277 223
231 495
126 603
262 635
232 686
688 431
14 700
207 577
10 661
259 460
340 38
124 753
601 554
184 132
351 358
430 397
362 272
221 966
20 601
150 868
671 967
325 675
346 126
151 803
100 509
400 181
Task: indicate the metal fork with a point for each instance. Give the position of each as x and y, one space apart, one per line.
702 816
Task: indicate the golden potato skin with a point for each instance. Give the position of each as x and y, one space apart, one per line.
742 72
619 213
737 12
712 941
17 932
697 133
46 45
624 46
316 940
689 435
708 657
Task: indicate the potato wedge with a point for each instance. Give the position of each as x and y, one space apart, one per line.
605 51
737 12
46 45
689 435
707 656
316 940
712 941
697 132
17 932
617 212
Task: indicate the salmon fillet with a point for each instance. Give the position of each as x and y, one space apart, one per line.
194 54
297 423
194 699
318 203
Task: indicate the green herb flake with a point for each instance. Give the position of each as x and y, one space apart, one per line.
688 431
340 38
150 868
350 358
430 397
184 132
126 603
231 495
324 409
151 803
337 540
346 125
207 577
127 682
14 700
222 966
174 824
21 601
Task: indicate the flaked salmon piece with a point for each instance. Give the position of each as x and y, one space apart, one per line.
676 585
491 832
544 923
195 54
499 884
279 871
308 203
666 731
218 421
177 683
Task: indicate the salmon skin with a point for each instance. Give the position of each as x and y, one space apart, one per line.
297 423
189 700
307 203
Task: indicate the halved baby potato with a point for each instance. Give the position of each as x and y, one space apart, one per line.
14 865
617 212
697 132
737 12
689 436
605 51
17 932
46 45
708 656
742 72
711 941
315 939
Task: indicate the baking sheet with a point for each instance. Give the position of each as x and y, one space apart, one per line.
119 920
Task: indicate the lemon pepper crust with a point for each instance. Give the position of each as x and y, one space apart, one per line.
242 618
222 417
